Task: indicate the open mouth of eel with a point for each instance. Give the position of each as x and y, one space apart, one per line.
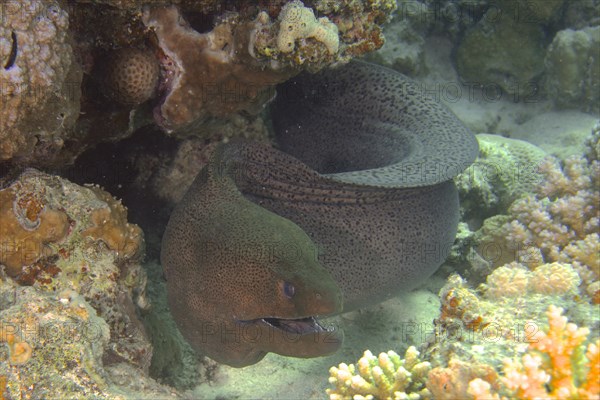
298 325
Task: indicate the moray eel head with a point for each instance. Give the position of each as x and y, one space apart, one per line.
252 280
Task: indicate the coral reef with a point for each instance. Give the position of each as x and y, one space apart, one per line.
28 228
556 365
384 377
65 337
56 344
60 236
80 73
560 223
573 69
552 367
453 382
492 322
502 51
131 76
235 66
111 227
504 170
297 22
39 80
211 74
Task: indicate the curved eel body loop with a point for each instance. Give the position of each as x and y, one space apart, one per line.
354 204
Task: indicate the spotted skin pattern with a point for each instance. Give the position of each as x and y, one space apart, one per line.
354 204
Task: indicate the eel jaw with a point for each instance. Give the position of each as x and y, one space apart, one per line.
298 326
302 337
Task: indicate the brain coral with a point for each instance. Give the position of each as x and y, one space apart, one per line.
131 76
39 80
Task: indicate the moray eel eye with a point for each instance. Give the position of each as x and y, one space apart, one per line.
288 289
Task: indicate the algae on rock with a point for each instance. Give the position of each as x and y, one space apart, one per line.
573 69
84 278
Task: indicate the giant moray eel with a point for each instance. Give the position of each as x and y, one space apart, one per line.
354 204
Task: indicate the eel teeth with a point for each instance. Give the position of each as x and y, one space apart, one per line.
300 325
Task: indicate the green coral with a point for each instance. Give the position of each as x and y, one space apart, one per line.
505 170
502 52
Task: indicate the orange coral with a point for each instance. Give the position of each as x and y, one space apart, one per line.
453 382
460 306
19 351
552 367
28 226
111 227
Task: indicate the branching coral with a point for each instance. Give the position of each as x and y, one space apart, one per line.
557 365
560 223
384 377
515 280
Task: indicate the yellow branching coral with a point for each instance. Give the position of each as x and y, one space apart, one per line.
515 280
555 366
384 377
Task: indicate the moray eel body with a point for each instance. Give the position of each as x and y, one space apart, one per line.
354 205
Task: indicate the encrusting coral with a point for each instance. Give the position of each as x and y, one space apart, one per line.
39 80
111 227
299 22
59 236
55 344
384 377
207 74
28 229
235 66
